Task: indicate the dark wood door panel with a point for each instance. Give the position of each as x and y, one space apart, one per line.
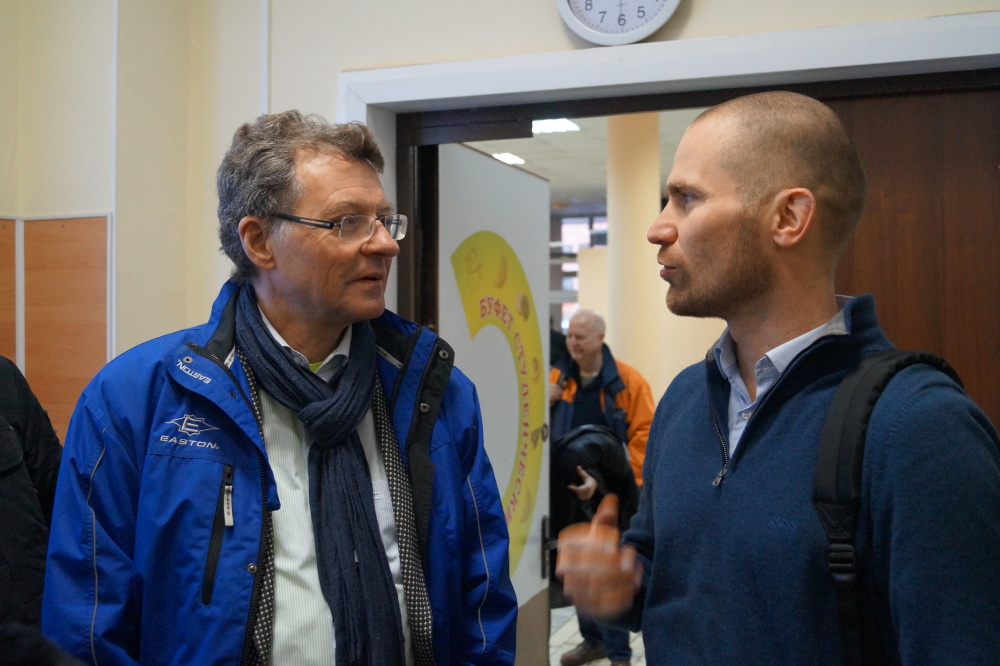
928 245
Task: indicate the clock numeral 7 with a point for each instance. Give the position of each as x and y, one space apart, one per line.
602 16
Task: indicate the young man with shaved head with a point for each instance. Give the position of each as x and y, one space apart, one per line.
725 561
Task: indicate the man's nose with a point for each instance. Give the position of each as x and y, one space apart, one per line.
381 241
662 231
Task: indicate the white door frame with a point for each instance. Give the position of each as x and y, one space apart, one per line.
889 48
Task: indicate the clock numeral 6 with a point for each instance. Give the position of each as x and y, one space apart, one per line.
621 19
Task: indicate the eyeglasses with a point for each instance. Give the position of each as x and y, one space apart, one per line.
354 228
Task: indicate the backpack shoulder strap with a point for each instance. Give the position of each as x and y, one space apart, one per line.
837 489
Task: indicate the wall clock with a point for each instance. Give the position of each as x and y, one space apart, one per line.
613 22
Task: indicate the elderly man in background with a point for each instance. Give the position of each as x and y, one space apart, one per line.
590 393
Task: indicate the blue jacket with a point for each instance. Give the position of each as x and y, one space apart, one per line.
141 567
736 572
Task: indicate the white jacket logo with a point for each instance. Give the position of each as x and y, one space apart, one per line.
189 424
188 371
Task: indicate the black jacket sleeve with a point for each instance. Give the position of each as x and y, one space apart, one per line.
41 450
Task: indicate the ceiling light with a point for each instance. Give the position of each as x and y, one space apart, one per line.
553 125
508 158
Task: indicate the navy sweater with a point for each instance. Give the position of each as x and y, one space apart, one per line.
736 572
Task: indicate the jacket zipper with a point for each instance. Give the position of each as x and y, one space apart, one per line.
248 644
725 450
223 519
718 431
420 390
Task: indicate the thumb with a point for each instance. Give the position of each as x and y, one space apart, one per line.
607 512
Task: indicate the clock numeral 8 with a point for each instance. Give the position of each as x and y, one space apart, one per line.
588 5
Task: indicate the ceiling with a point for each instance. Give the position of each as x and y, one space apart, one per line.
575 163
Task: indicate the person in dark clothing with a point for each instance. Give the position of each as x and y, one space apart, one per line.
29 464
726 560
24 645
557 343
601 409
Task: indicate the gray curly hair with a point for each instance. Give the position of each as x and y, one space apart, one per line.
257 174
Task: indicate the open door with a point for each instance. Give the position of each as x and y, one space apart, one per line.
493 310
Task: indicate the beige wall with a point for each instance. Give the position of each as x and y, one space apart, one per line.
152 257
225 91
125 106
66 107
9 99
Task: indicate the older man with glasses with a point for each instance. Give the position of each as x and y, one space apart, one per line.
301 480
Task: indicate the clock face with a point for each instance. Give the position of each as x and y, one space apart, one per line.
611 22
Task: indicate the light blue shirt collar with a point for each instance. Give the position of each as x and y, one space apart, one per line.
766 371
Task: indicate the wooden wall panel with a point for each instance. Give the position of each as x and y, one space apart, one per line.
65 323
8 304
928 245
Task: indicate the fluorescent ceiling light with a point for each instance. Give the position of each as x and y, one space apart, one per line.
553 125
508 158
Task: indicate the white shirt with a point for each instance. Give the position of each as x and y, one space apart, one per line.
303 623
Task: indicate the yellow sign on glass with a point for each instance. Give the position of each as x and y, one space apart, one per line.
495 292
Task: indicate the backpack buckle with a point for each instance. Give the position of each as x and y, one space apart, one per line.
843 564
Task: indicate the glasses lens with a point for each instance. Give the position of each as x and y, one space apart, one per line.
356 227
396 226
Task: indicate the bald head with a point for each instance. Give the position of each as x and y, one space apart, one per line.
590 320
585 340
781 140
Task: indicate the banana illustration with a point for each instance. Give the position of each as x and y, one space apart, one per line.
501 272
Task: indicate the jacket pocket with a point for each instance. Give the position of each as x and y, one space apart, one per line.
223 519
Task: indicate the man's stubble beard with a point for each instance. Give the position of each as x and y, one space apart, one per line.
740 278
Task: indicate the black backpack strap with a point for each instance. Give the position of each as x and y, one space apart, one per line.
837 488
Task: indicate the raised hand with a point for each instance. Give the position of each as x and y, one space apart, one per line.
599 576
587 486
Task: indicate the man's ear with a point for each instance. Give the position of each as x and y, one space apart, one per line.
795 211
254 237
